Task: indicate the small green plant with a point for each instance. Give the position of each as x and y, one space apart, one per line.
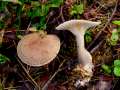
40 10
117 68
3 59
88 37
114 69
114 37
115 33
77 9
106 69
116 22
34 11
55 3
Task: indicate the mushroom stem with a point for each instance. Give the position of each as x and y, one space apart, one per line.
78 28
81 49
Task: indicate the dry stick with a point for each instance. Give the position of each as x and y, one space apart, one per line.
29 25
98 35
1 35
61 13
49 81
12 88
96 47
33 82
27 30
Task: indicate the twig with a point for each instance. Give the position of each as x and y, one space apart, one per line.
96 47
61 14
99 33
28 27
12 88
1 35
49 81
33 82
13 31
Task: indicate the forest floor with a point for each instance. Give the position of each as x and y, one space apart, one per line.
103 42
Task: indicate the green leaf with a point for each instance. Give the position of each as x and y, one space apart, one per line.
3 5
25 1
42 23
73 12
88 38
118 29
3 59
106 69
117 71
116 22
55 3
35 3
80 9
44 10
116 63
77 9
113 43
38 11
34 12
114 37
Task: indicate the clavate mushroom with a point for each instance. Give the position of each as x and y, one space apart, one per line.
78 28
38 49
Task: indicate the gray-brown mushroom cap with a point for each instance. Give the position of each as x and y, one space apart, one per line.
35 50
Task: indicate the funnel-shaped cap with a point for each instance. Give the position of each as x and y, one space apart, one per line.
81 25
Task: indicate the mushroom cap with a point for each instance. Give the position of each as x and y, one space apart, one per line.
81 25
36 50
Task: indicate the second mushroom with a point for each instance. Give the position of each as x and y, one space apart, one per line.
78 28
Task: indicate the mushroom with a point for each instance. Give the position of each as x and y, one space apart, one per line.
38 49
78 28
